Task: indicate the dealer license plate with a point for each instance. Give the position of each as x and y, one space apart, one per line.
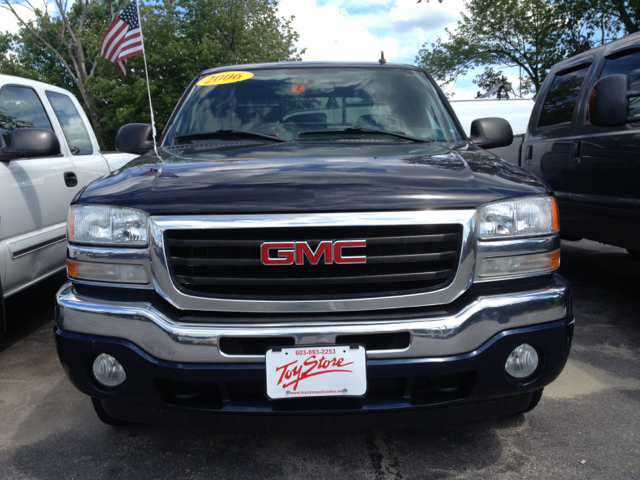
300 372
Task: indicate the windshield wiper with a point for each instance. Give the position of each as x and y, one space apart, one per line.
228 135
365 130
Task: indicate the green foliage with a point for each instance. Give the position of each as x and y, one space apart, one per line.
6 41
491 78
181 38
599 21
530 34
509 33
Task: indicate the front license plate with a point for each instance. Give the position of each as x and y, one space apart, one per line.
299 372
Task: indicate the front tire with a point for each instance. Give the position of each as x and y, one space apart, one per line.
106 418
535 398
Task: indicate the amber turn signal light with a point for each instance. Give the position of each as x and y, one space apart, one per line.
555 218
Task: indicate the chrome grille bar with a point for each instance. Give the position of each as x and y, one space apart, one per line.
411 277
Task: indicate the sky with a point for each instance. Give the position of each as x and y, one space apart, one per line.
361 29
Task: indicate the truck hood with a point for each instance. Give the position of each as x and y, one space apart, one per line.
248 177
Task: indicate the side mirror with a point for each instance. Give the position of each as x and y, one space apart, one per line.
491 132
134 138
31 143
609 101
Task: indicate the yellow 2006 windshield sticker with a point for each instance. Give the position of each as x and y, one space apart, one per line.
225 77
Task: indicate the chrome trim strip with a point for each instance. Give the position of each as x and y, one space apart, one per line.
520 246
164 338
40 246
166 287
33 241
109 254
129 286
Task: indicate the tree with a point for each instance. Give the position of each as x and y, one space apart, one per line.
6 40
182 38
491 78
530 34
603 16
63 38
509 33
603 20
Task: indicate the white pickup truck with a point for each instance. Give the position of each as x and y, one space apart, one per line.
48 152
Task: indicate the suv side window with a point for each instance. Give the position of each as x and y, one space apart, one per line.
628 64
20 107
71 123
561 100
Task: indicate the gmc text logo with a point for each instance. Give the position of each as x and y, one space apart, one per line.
288 253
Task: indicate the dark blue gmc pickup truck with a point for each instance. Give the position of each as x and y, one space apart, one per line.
314 230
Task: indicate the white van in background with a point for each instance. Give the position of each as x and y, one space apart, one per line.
516 111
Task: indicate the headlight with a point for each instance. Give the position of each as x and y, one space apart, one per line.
108 225
518 217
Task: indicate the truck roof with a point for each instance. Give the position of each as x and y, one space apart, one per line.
606 49
274 65
9 79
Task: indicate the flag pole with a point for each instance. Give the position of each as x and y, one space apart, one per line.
146 72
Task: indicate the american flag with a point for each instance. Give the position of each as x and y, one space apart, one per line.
123 39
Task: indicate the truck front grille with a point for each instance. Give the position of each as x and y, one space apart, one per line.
227 263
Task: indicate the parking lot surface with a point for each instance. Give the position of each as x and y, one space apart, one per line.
587 424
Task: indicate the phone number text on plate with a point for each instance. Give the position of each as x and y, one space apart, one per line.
321 351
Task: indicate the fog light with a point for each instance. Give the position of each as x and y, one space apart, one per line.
108 371
522 362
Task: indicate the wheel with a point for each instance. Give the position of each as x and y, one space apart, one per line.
535 398
106 418
634 253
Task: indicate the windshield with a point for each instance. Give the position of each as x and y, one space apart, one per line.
286 103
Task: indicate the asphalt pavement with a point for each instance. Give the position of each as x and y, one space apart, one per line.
587 425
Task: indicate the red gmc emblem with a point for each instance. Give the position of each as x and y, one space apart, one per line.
288 253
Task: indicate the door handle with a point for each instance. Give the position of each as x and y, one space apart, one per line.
70 179
528 155
575 150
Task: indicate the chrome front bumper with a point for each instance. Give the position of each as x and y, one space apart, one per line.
469 327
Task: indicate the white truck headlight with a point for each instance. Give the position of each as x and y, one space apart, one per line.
518 217
105 225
